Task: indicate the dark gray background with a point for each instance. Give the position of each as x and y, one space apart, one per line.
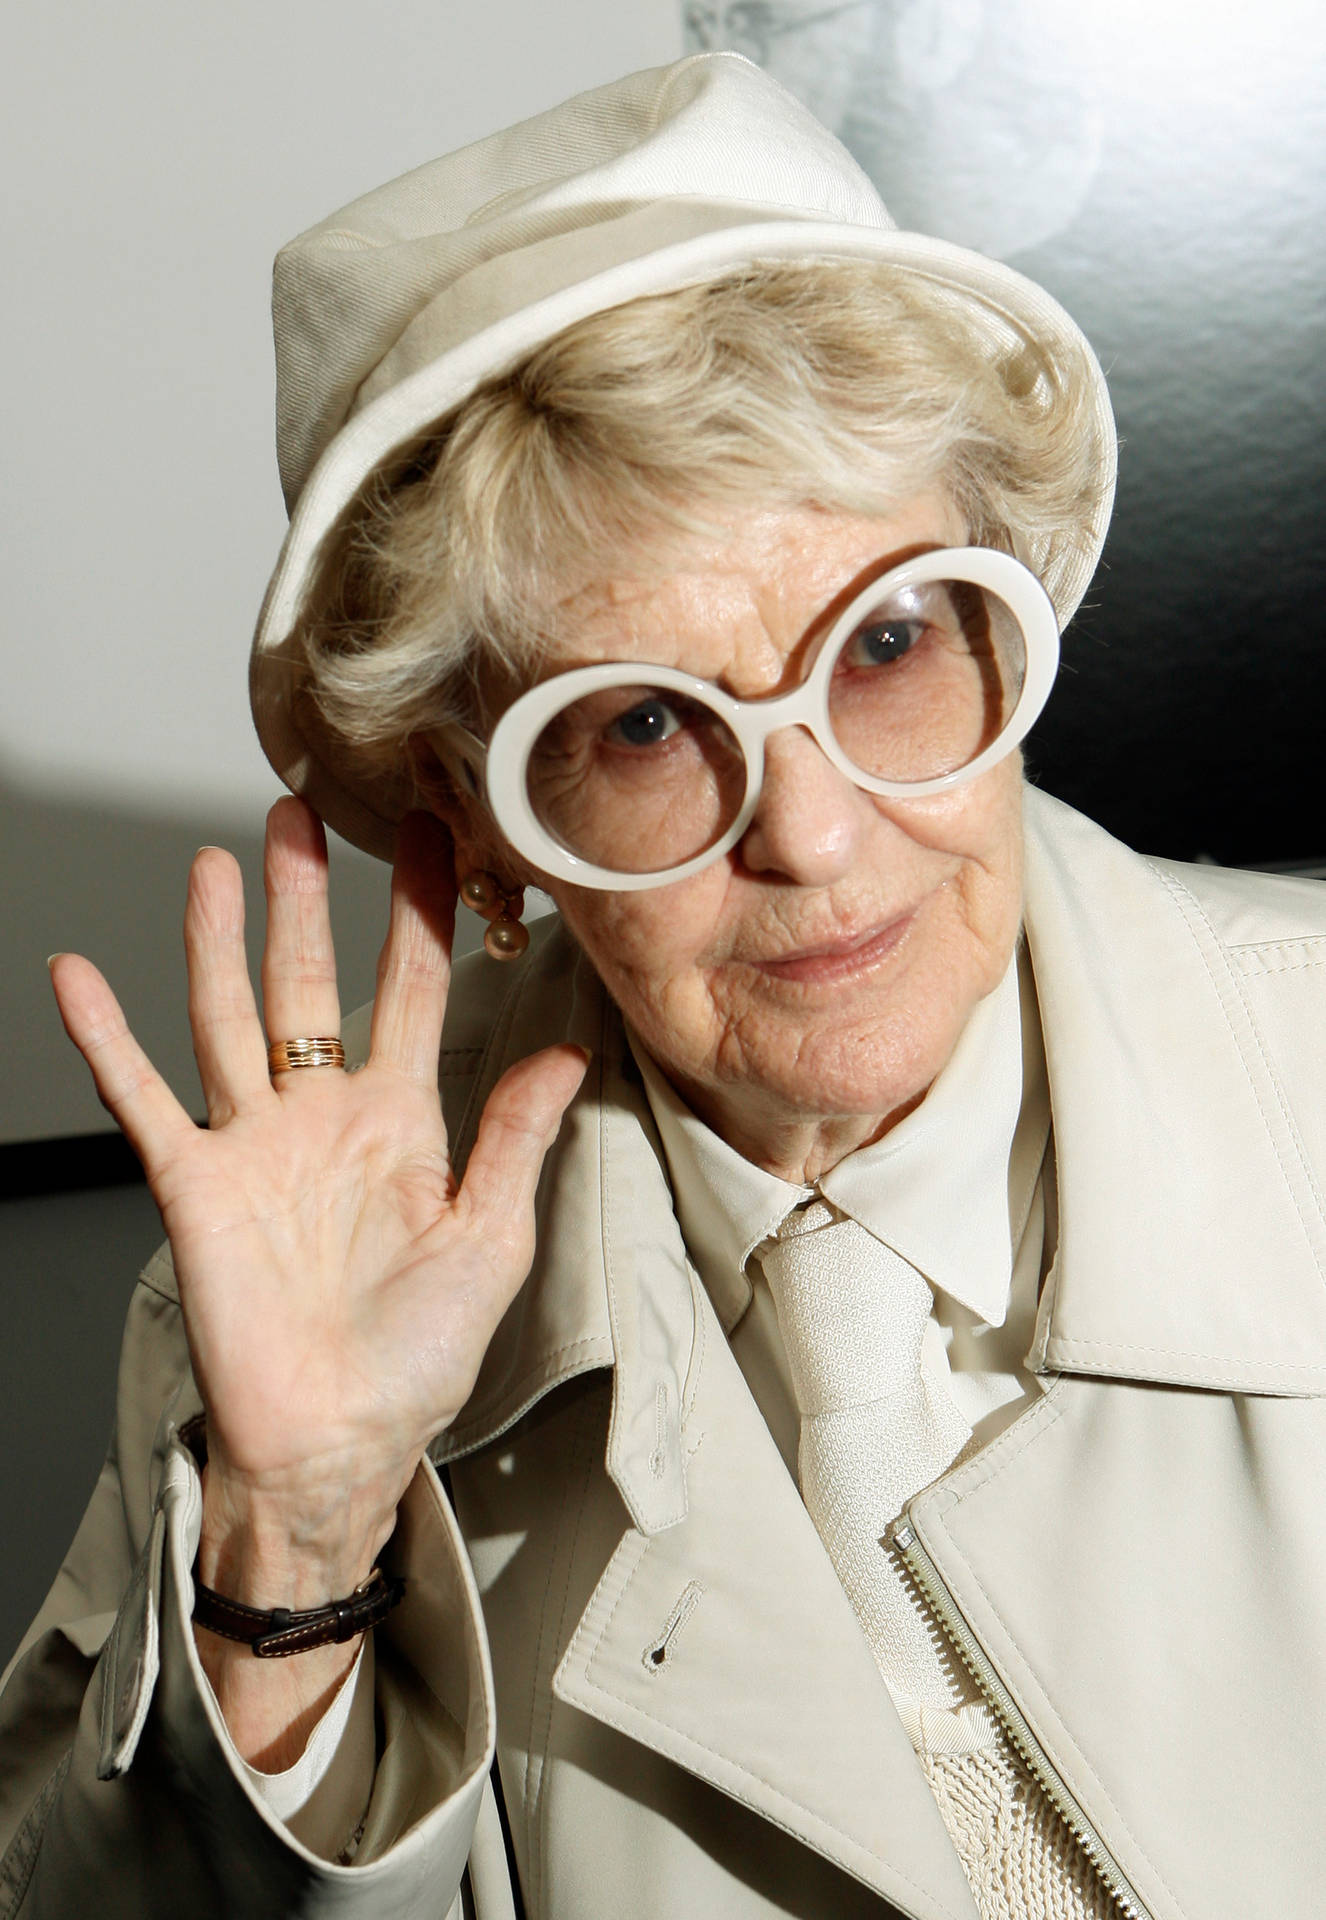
1160 169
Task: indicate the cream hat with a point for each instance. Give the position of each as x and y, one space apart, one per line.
392 311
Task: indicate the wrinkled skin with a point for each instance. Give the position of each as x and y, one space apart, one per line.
795 1071
802 993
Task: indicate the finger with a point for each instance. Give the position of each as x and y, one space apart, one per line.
128 1085
223 1014
414 971
298 965
519 1124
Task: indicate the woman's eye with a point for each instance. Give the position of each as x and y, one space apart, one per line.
880 641
644 725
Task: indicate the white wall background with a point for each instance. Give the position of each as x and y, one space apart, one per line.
155 157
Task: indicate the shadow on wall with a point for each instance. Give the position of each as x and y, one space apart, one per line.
67 1271
110 883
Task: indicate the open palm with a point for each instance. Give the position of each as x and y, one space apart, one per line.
339 1288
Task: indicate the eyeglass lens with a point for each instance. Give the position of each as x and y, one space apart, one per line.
638 778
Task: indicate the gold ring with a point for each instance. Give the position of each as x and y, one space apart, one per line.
285 1056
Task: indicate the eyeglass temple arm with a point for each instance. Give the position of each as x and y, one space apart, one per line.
463 755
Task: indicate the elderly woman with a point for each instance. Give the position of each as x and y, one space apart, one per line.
829 1422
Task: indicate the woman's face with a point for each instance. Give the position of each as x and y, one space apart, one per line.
804 990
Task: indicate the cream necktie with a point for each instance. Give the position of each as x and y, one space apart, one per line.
878 1423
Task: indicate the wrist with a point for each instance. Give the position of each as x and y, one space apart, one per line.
299 1545
270 1707
274 1551
269 1548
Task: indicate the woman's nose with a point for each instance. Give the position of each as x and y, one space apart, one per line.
809 817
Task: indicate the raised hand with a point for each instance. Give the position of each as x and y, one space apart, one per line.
339 1288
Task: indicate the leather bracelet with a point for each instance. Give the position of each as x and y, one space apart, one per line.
280 1630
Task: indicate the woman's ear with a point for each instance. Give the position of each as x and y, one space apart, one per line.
438 788
480 848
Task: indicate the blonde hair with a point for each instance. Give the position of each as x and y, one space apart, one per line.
827 384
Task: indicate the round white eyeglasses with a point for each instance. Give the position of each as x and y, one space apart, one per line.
624 776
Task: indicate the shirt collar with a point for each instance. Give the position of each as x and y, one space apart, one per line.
948 1188
725 1203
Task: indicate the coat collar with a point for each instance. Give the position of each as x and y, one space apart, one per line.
1191 1242
1191 1247
958 1142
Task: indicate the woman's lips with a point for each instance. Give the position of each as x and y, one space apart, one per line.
840 959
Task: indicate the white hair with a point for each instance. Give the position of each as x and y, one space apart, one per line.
832 384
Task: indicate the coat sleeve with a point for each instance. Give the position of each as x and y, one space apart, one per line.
118 1795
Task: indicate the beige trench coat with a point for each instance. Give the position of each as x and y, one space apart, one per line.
641 1617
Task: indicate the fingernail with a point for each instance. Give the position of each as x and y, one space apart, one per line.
51 958
207 847
587 1053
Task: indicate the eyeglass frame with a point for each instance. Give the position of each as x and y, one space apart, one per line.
496 773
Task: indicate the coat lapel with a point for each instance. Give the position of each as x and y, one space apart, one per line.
726 1643
1191 1243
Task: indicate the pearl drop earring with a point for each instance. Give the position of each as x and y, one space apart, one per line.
506 937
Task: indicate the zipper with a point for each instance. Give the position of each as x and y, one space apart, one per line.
902 1537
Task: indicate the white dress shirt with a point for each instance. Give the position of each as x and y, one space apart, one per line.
955 1188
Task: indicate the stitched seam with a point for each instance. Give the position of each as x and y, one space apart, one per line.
1066 1738
1261 965
678 1511
1186 1353
533 1782
1047 1413
30 1836
1283 944
1175 890
624 1727
662 1643
692 1385
481 1429
641 1545
584 1454
1291 1125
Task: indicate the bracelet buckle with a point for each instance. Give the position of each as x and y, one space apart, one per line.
273 1632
